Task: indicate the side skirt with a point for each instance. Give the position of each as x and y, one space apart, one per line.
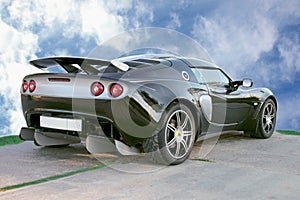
217 134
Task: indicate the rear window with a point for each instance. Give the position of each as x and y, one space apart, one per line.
108 69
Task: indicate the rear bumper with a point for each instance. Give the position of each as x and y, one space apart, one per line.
123 118
65 107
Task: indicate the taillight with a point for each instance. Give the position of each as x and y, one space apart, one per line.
24 86
116 90
32 85
97 88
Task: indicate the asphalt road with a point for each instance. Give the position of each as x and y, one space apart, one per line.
239 168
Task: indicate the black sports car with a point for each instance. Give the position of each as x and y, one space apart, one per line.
152 104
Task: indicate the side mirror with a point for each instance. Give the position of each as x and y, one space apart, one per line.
247 82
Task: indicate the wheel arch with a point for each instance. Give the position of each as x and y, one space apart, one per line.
194 110
272 97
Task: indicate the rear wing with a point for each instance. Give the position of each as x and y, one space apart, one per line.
76 64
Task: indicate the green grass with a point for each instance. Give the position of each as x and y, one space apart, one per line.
203 160
12 139
288 132
51 178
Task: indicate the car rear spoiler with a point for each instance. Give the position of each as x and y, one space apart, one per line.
76 64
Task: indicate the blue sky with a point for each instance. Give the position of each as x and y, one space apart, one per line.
256 39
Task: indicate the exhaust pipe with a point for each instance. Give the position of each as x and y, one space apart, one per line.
27 134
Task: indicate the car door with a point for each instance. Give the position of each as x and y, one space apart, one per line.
229 107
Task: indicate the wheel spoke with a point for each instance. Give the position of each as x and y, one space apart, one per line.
265 116
185 122
271 126
183 142
265 126
265 112
187 133
268 109
172 142
268 128
271 110
268 118
171 127
178 118
177 149
179 132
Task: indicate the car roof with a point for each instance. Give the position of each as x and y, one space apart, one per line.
149 59
194 62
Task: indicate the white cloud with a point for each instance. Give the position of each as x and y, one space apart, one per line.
91 18
15 49
14 45
175 21
289 49
150 38
119 6
143 14
24 25
238 33
236 42
98 22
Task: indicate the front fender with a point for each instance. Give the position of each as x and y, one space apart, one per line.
262 94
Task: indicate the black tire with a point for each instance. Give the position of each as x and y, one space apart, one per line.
266 122
173 144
